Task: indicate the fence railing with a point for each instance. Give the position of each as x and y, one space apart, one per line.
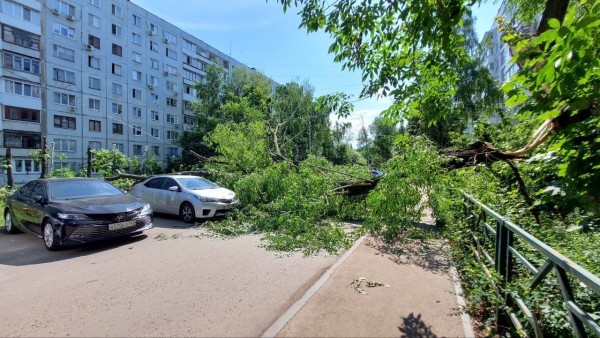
497 247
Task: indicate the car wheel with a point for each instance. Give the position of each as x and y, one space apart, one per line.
8 223
187 213
50 239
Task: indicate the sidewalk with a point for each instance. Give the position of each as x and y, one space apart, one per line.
420 302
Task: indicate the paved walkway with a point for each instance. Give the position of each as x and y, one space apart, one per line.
420 302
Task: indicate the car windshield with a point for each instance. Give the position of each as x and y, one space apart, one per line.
196 183
64 190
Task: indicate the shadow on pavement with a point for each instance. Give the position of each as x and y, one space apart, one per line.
415 327
428 255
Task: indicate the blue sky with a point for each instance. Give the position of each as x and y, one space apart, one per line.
260 35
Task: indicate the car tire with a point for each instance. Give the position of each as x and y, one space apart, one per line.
8 223
49 236
187 213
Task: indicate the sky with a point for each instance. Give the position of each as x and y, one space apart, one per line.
259 34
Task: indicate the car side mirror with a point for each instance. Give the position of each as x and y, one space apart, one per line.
174 188
39 199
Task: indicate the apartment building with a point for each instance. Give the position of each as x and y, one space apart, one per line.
95 73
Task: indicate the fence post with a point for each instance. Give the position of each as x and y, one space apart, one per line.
501 259
90 157
9 170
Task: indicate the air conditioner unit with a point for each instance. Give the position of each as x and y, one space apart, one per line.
55 11
165 73
150 33
166 41
70 18
72 108
89 47
151 87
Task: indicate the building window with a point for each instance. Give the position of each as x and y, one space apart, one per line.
64 8
117 69
189 45
153 29
117 11
137 57
64 122
21 114
172 135
172 86
117 30
95 125
136 20
94 83
137 131
190 89
95 145
154 98
171 70
26 166
94 41
136 75
171 118
172 38
171 102
155 132
63 30
173 151
153 46
19 11
21 63
20 88
21 139
117 89
20 38
93 20
64 99
64 53
189 120
137 112
117 108
136 94
156 150
153 80
94 104
118 146
117 128
64 145
154 115
171 53
154 63
62 75
94 3
93 62
136 38
117 50
138 149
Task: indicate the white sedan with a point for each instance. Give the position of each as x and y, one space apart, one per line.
190 197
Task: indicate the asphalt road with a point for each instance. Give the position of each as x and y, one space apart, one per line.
185 285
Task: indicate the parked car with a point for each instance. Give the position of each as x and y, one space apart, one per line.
188 196
66 211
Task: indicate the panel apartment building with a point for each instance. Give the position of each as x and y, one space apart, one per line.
95 73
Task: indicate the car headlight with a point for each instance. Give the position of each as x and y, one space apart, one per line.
146 209
206 199
78 217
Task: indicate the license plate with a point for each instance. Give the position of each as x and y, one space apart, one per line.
122 225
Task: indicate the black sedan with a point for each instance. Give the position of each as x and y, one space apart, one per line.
65 211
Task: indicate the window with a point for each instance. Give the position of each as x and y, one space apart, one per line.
63 30
172 86
94 104
137 112
117 69
117 129
172 38
117 89
64 53
117 11
154 98
192 61
118 146
171 53
20 38
117 108
19 11
21 88
137 131
154 115
64 99
93 20
136 94
154 64
153 80
22 139
153 29
117 50
94 83
136 20
173 151
190 89
64 8
189 75
138 149
136 38
171 102
153 46
171 118
172 135
189 45
94 3
64 145
156 150
26 166
136 75
95 145
172 70
137 57
186 104
21 114
62 75
94 41
189 120
117 30
95 125
64 122
155 132
21 63
93 62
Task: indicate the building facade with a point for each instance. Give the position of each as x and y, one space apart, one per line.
99 74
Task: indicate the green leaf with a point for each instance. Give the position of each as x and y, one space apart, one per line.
553 23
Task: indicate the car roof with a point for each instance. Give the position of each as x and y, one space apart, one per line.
176 176
69 179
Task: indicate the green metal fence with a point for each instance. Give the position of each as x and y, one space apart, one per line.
495 239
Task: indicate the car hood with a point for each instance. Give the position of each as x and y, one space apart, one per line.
99 205
215 193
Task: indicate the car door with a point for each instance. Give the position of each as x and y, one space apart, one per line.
171 200
35 210
150 192
19 206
